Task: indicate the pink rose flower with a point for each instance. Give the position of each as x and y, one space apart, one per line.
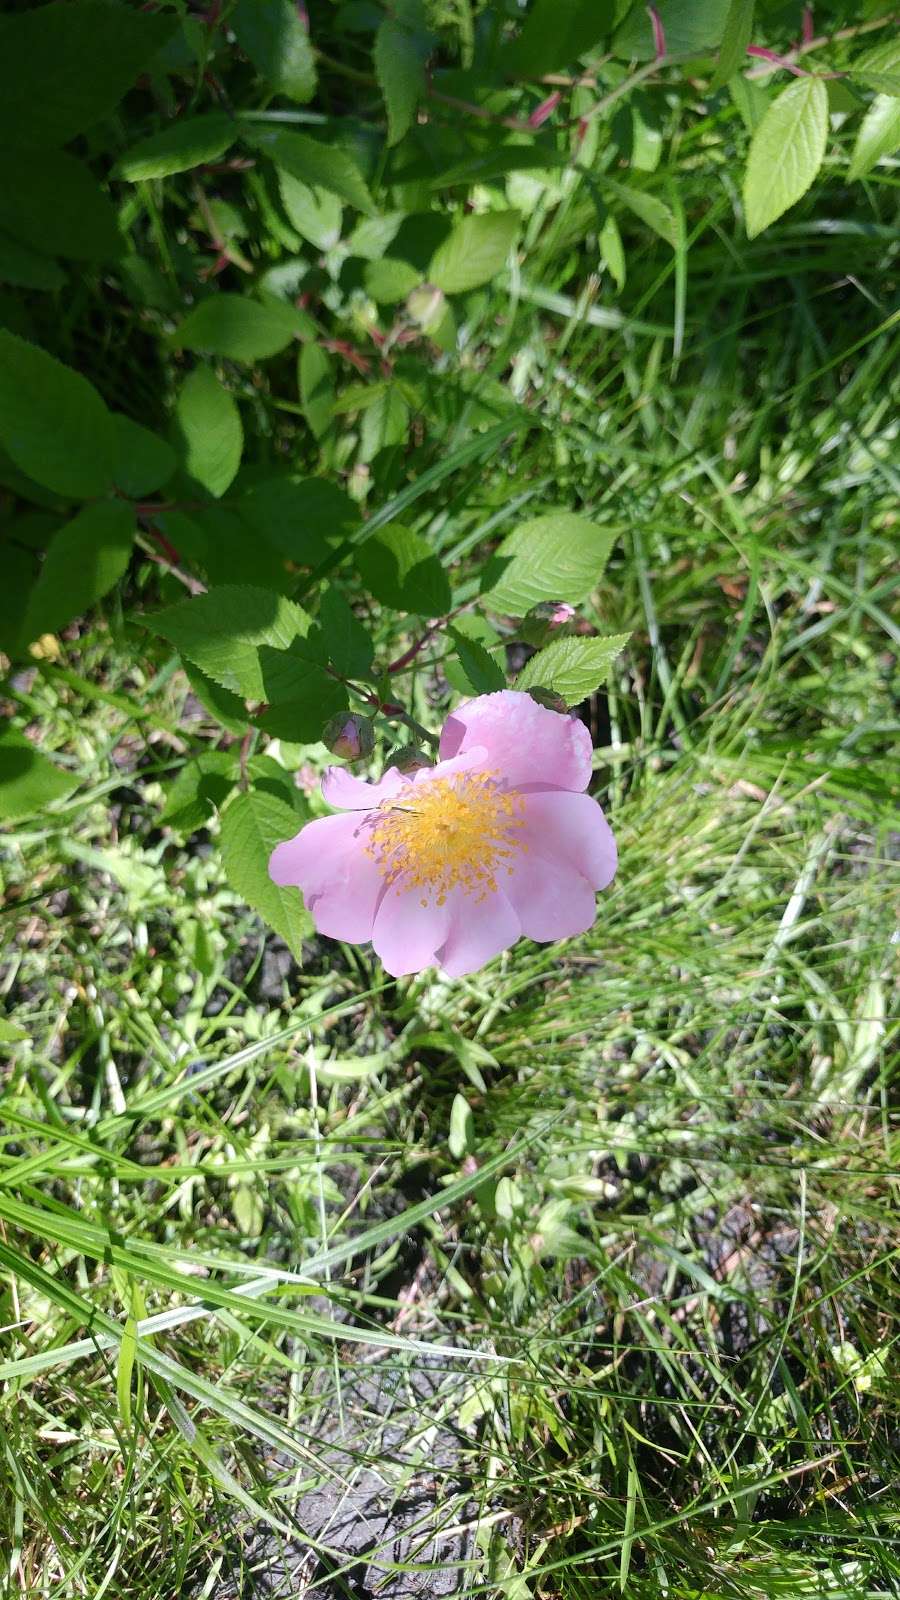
448 865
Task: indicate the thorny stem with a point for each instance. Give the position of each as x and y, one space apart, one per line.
825 39
419 644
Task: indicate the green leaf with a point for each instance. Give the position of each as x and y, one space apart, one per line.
10 1033
124 1368
751 98
384 422
53 423
223 631
473 626
252 825
272 34
210 432
85 559
879 68
27 268
299 714
226 707
28 781
401 570
316 213
572 668
560 556
390 279
315 374
652 211
483 673
735 39
612 250
200 788
477 249
54 204
786 152
299 516
320 165
399 56
234 326
349 647
461 1137
143 461
878 136
691 27
64 66
189 143
556 32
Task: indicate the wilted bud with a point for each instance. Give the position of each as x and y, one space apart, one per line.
548 698
552 619
408 758
425 305
349 736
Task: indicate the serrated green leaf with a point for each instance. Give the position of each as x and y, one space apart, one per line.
399 57
85 559
232 325
200 788
53 423
226 707
482 672
878 136
188 143
209 430
349 647
304 698
253 823
476 250
314 212
320 165
143 461
54 204
573 668
735 39
786 152
402 571
276 39
560 556
879 68
28 781
63 67
224 630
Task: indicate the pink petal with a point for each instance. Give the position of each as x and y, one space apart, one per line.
553 900
340 883
479 930
571 829
407 935
527 742
348 793
474 757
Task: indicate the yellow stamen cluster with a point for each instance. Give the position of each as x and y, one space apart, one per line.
447 833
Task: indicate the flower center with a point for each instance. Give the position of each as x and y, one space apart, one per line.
449 833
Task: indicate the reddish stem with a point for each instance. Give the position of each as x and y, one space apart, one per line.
546 109
659 32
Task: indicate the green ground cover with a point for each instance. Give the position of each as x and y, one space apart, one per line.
612 1222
